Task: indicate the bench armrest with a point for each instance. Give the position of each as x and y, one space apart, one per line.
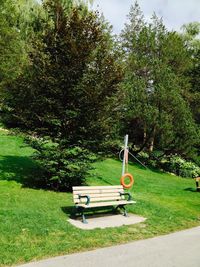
85 196
126 194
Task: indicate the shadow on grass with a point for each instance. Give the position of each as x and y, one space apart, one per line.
71 211
20 169
145 167
103 180
68 210
190 189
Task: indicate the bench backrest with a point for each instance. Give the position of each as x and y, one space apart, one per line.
97 193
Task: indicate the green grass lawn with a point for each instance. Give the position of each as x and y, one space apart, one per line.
33 223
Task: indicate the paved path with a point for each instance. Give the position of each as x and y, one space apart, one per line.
181 249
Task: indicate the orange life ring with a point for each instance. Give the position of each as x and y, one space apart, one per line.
122 180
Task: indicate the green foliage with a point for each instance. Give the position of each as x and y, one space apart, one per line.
70 87
181 167
171 163
61 73
154 82
12 52
61 166
196 159
191 39
31 20
68 90
190 35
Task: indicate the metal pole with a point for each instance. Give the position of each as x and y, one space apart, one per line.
125 151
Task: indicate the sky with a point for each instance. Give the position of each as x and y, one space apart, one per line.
175 13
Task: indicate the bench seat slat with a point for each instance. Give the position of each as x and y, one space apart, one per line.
102 204
83 188
98 191
115 194
83 200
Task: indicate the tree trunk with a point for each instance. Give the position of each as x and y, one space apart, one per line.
145 134
152 140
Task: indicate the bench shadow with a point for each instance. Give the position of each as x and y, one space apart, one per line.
190 189
21 169
68 210
92 213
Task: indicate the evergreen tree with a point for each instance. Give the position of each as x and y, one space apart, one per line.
190 36
12 47
156 62
70 87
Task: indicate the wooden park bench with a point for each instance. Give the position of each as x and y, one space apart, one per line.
197 180
87 197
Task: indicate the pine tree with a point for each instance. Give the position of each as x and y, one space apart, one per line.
190 37
70 87
156 62
12 47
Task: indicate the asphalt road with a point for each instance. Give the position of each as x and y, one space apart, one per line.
180 249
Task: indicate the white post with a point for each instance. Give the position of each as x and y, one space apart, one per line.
125 151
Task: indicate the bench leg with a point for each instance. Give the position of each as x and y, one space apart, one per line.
124 209
73 213
80 211
83 215
125 212
197 185
114 210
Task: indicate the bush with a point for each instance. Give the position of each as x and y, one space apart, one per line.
181 167
149 160
61 167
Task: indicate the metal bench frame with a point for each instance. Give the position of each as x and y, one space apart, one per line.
89 197
197 180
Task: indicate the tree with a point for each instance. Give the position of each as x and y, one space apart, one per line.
12 47
67 92
191 39
156 62
190 36
70 87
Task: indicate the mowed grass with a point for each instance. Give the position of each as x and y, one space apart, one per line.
33 223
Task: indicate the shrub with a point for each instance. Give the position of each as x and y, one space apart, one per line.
181 167
149 160
143 155
61 166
